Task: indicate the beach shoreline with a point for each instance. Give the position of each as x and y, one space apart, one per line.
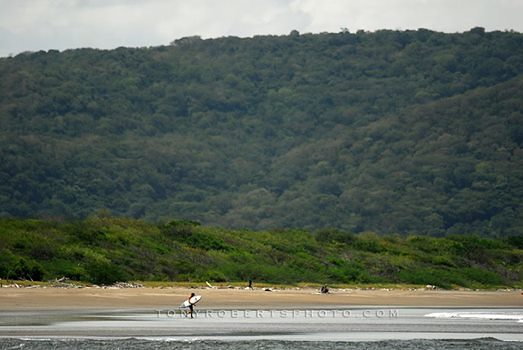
49 298
233 314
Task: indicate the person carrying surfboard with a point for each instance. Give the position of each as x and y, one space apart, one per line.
189 304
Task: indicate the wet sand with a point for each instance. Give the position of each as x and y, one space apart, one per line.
139 298
238 314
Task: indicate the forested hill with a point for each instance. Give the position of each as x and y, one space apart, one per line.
391 131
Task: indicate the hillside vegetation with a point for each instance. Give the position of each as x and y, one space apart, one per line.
391 132
104 249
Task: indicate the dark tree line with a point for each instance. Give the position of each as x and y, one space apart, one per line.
390 131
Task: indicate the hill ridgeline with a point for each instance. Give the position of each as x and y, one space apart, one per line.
390 131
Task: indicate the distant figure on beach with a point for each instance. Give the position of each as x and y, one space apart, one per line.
250 284
324 289
191 305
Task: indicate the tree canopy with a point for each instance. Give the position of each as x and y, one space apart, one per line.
389 131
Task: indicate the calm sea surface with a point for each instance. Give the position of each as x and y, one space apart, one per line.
133 343
349 328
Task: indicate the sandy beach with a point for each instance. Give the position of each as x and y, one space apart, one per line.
99 298
114 315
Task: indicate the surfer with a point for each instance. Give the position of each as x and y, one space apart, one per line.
191 305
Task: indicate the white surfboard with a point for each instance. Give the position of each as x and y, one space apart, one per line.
191 301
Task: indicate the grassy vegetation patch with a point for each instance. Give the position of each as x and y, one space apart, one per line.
104 250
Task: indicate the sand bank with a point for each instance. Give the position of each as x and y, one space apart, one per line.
93 298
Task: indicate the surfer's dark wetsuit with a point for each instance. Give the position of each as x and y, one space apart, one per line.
191 306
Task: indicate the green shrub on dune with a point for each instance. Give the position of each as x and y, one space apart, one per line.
104 250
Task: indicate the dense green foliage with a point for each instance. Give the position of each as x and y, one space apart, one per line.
392 132
104 249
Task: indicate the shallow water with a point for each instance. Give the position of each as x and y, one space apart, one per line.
133 343
350 328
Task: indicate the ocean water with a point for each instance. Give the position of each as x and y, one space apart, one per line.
345 328
134 343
